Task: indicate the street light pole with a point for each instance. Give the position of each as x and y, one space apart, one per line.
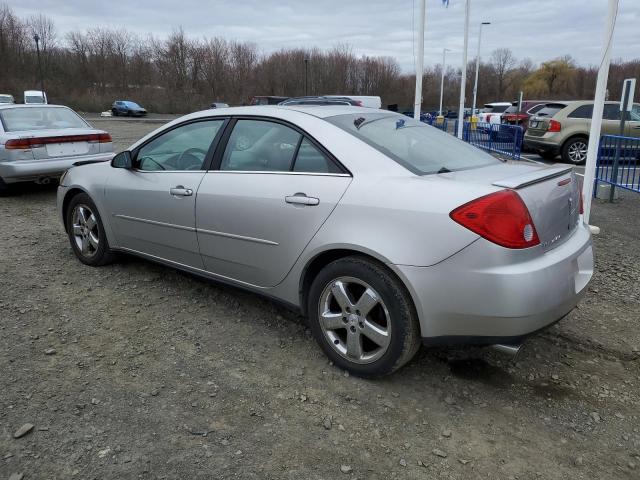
444 57
36 37
417 102
475 85
463 76
306 74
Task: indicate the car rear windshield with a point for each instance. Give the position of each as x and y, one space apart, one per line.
39 118
6 99
495 108
550 109
420 148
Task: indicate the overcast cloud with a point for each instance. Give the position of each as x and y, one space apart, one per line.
538 29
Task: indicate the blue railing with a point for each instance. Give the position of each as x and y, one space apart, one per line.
494 137
617 164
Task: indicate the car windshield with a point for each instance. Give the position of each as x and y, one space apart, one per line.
40 118
6 99
495 108
132 104
550 109
420 148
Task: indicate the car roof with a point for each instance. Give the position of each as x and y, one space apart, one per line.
30 105
319 111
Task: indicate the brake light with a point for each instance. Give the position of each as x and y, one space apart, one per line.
501 218
554 126
28 143
581 204
358 103
489 118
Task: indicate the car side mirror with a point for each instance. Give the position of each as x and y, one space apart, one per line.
122 160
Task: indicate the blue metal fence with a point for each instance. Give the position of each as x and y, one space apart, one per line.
503 139
617 164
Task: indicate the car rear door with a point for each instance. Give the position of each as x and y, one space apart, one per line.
272 190
153 205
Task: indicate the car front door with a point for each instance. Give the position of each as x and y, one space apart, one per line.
152 205
273 189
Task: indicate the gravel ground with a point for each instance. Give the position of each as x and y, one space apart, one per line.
135 370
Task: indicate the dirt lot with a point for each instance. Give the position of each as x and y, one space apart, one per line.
137 371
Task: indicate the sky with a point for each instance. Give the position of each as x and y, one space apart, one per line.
538 29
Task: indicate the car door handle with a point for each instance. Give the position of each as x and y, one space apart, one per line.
302 199
180 191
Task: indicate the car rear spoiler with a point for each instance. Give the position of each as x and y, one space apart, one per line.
531 178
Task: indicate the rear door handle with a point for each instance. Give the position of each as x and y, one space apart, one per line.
302 199
180 191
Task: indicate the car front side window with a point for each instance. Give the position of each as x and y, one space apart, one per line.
182 148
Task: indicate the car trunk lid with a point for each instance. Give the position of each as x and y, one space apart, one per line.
551 194
72 142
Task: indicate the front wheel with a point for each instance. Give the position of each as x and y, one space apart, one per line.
362 317
575 151
86 232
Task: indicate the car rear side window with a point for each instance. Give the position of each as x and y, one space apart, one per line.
420 148
312 160
259 145
583 111
550 109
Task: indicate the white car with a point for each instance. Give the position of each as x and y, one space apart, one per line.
492 112
6 98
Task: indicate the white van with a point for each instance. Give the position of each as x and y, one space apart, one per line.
35 96
366 101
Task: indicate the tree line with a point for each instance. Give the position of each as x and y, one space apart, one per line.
89 69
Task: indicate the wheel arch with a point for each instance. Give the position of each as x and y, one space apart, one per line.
573 136
324 258
72 192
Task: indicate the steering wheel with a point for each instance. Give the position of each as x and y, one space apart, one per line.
185 164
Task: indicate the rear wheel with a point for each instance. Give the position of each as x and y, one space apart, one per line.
575 150
362 317
114 112
86 232
4 188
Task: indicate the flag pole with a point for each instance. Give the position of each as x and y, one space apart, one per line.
417 103
598 107
463 77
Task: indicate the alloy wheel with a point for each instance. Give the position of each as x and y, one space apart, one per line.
85 230
354 320
577 152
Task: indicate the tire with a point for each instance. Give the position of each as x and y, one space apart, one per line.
574 150
114 112
83 214
4 188
548 155
346 334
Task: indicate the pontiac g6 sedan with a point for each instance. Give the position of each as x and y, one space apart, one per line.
386 232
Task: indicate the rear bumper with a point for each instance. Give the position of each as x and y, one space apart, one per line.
31 170
477 296
534 144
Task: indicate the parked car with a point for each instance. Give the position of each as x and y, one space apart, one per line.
562 128
218 105
387 233
39 142
320 100
424 117
266 100
491 113
512 116
35 97
128 108
369 101
6 98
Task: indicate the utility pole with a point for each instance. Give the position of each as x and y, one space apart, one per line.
463 77
598 108
306 75
417 102
36 38
444 58
475 85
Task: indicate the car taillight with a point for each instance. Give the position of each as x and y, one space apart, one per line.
489 118
358 103
28 143
554 126
501 218
581 204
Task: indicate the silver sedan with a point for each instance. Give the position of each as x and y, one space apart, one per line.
387 233
39 142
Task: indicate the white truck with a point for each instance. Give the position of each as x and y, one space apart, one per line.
492 112
35 96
